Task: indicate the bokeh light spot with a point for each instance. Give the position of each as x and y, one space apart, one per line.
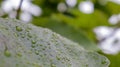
86 7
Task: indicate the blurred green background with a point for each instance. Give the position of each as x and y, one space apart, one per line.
67 18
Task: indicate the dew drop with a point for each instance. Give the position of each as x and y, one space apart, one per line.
43 48
40 44
23 36
53 65
6 28
29 35
7 53
16 35
36 65
103 62
41 55
18 28
86 65
28 28
33 42
17 65
58 58
49 44
37 52
19 54
33 45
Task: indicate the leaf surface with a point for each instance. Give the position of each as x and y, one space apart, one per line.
25 45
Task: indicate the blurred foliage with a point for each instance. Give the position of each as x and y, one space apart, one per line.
109 9
113 8
114 59
74 17
66 31
76 25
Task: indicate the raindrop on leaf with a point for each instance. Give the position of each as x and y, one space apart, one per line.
18 28
7 53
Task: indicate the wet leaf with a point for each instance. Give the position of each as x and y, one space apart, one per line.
50 49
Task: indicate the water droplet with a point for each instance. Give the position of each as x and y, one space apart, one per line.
19 54
43 48
29 28
6 28
17 65
36 65
33 45
58 58
86 65
18 28
63 62
49 44
53 65
103 62
41 55
37 52
40 44
7 53
29 35
16 35
23 36
33 42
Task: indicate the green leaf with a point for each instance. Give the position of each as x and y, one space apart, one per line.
67 31
114 59
25 45
86 22
113 8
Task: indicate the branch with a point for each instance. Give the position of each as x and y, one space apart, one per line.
19 9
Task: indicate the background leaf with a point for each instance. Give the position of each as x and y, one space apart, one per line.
67 31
